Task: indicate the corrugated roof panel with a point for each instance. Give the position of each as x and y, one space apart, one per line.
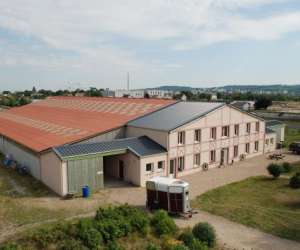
175 115
142 146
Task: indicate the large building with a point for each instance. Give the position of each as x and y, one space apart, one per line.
69 142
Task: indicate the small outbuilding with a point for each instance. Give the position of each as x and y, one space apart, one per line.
132 160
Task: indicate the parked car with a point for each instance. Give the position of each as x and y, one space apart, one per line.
295 147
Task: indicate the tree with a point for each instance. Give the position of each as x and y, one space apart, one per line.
263 102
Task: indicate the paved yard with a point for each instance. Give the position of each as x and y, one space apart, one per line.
230 234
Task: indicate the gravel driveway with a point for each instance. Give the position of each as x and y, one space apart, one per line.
230 234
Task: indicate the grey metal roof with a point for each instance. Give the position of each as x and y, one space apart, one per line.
269 131
271 123
176 115
141 146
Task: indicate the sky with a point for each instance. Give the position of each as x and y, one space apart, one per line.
69 44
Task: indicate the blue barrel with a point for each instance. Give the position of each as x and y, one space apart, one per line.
85 192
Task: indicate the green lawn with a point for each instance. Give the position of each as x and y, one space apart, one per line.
260 202
292 133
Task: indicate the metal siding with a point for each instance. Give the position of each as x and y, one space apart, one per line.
84 172
22 156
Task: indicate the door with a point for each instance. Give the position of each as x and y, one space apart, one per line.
172 167
224 156
121 169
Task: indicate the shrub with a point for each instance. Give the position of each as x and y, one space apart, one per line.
295 181
275 170
287 167
204 232
152 246
114 246
162 223
71 244
179 247
88 234
191 242
11 246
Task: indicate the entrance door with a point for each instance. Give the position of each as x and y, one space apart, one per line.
172 167
224 156
121 169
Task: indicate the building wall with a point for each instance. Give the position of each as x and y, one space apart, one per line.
270 142
225 116
160 137
280 130
146 175
131 167
22 155
109 136
52 172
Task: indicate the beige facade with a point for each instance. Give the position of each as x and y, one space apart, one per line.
210 146
270 142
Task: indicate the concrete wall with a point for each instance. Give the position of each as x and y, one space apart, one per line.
269 146
146 175
22 155
225 116
109 136
131 167
52 173
160 137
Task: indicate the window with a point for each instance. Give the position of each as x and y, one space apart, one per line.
257 126
235 151
197 160
149 167
236 129
225 131
212 156
180 163
271 141
160 164
256 146
267 141
247 150
172 165
248 128
213 133
181 137
197 135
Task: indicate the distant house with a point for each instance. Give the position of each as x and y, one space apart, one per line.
133 93
244 105
213 97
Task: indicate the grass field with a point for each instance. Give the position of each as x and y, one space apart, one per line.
259 202
291 133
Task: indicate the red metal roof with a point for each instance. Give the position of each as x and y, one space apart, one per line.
60 120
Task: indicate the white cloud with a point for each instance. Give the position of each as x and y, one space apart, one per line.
86 28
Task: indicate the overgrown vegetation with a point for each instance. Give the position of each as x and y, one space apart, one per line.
271 206
295 181
275 170
111 229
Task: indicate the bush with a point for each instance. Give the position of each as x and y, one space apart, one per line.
162 223
204 232
275 170
287 167
191 242
11 246
88 234
179 247
152 246
114 246
72 244
295 181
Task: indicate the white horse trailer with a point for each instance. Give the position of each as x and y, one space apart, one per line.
169 194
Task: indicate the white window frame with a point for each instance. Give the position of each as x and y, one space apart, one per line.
235 151
152 167
180 163
197 135
212 156
197 160
181 138
247 148
248 127
225 131
256 146
237 129
257 127
213 133
163 164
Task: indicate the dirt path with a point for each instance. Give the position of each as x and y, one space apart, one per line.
239 237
